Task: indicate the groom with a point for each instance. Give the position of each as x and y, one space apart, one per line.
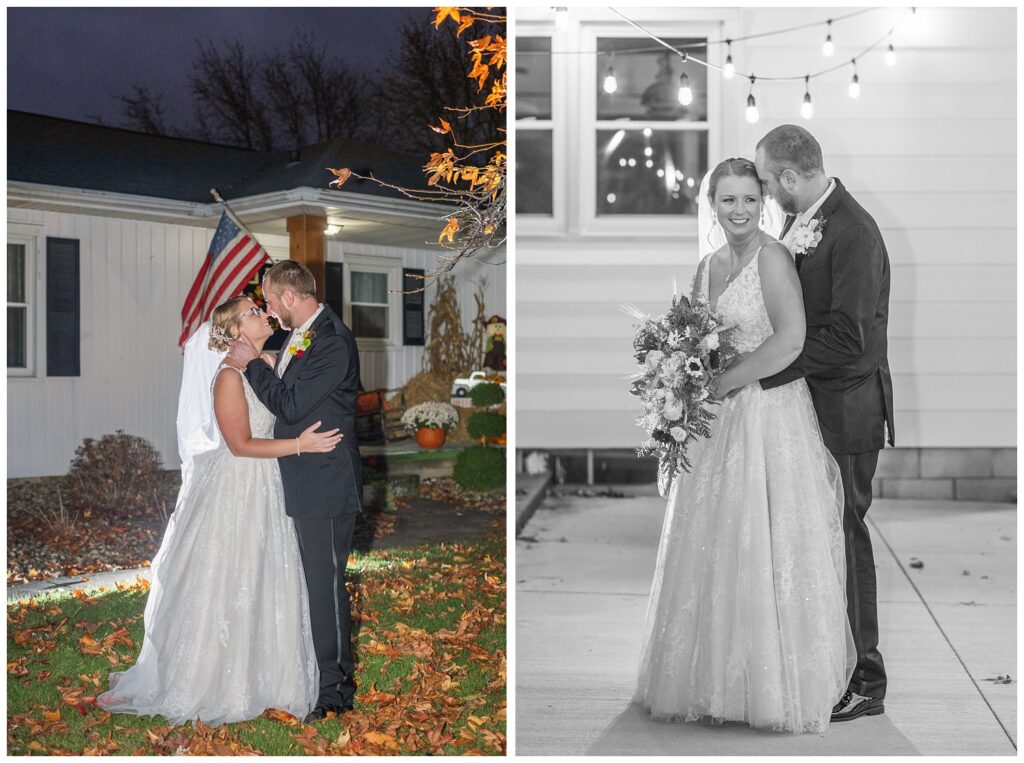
845 281
316 379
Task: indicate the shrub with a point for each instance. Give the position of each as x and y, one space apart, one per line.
484 395
480 468
485 424
117 473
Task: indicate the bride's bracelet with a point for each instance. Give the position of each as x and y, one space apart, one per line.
297 451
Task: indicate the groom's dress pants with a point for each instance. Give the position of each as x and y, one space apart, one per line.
861 591
324 544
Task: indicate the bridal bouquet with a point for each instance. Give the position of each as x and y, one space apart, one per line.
680 354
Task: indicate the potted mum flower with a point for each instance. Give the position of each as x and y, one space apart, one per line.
431 422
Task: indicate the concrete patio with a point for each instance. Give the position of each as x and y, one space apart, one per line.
583 572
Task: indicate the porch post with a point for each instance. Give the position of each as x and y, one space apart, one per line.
306 242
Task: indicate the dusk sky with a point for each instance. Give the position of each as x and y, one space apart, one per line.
71 62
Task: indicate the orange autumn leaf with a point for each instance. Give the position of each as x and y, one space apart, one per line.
444 129
466 23
375 737
446 13
449 230
52 715
340 176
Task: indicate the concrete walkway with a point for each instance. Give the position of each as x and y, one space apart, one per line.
583 573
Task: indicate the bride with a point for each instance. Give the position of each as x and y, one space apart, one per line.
747 615
227 630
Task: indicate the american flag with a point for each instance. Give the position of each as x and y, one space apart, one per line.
233 259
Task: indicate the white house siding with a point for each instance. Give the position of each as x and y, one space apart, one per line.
929 149
134 278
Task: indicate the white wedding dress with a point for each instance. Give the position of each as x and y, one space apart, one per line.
747 616
227 619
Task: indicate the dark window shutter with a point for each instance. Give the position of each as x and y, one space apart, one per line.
334 287
63 307
412 307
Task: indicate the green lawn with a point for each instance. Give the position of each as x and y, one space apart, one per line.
430 647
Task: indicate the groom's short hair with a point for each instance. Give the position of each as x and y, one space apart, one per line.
289 274
791 147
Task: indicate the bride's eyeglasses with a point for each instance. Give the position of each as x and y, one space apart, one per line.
253 311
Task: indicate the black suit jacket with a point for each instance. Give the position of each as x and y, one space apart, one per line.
845 360
319 386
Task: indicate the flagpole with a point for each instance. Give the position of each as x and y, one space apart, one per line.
230 212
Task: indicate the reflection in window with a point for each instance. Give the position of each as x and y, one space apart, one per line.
650 172
648 80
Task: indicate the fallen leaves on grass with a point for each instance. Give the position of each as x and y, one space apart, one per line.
431 665
447 490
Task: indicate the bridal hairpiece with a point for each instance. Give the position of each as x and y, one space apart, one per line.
216 332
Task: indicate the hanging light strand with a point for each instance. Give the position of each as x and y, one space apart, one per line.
685 92
791 78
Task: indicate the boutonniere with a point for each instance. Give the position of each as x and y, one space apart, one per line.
807 236
301 343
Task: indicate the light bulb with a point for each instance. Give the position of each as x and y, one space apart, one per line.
890 56
752 115
828 48
561 18
649 163
648 151
807 108
685 93
729 71
854 87
610 83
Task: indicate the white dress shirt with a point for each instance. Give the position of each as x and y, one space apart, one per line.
296 333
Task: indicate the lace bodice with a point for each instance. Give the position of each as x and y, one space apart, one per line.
261 420
742 305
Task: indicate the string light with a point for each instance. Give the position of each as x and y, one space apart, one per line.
561 18
752 115
890 54
807 108
685 93
610 83
854 89
728 71
828 48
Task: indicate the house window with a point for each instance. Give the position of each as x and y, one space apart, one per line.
20 328
373 300
534 127
369 304
651 150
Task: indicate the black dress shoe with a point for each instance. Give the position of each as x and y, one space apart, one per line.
323 711
853 705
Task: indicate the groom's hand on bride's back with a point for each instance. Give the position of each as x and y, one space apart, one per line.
241 352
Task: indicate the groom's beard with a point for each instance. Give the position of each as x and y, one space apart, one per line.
284 319
786 201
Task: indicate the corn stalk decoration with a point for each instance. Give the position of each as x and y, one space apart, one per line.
457 176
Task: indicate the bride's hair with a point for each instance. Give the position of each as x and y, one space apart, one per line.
737 166
225 317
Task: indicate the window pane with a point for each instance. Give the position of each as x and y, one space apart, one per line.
533 172
533 77
17 337
648 82
370 322
655 174
370 287
15 272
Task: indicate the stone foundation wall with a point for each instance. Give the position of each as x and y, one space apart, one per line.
947 474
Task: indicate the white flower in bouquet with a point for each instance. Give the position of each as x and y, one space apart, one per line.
688 332
678 433
711 340
703 394
673 410
654 357
431 415
694 367
675 339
